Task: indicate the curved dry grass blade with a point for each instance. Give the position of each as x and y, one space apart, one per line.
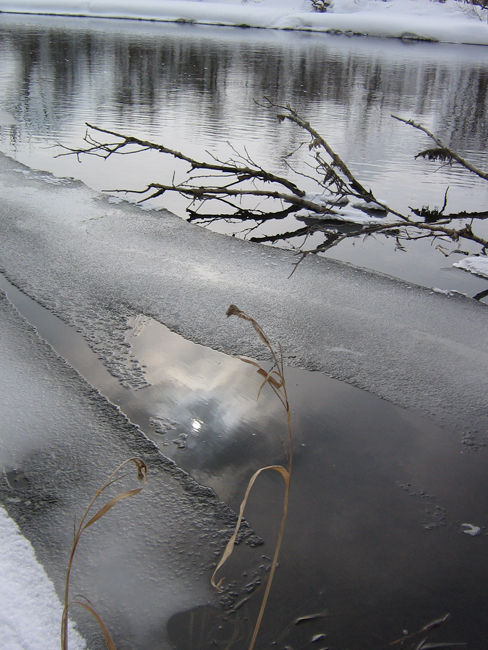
274 563
113 478
109 642
235 311
279 388
230 544
108 506
268 378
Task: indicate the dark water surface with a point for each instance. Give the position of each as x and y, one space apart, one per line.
194 88
374 539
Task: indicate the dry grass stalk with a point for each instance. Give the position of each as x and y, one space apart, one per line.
275 378
116 476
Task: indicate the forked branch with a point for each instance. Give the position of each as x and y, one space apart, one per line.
442 153
339 208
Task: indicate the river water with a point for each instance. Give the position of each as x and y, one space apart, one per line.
375 544
195 89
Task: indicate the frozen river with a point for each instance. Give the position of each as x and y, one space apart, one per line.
390 435
195 89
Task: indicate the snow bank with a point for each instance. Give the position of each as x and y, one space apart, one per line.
474 264
30 611
449 22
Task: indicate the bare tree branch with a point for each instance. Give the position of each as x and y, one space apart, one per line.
327 211
106 150
443 152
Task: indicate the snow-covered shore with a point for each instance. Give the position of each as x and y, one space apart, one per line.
448 22
30 612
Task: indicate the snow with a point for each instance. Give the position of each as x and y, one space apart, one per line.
30 611
449 21
474 264
448 292
343 212
343 215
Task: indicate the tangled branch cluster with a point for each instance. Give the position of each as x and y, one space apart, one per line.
340 208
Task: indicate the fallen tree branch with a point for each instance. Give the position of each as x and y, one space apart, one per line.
340 207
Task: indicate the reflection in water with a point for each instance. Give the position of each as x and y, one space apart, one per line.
379 497
378 502
201 409
194 88
157 69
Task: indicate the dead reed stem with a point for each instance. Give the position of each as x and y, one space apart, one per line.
275 378
83 525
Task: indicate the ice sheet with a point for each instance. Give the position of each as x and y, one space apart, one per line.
95 264
449 21
151 557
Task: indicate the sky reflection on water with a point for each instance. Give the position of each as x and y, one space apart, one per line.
379 494
195 89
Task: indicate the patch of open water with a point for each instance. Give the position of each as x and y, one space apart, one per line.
374 541
194 88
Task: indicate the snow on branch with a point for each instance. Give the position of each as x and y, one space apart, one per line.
339 207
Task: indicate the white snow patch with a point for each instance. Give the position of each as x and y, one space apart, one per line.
448 292
370 205
474 264
342 215
469 529
30 611
449 21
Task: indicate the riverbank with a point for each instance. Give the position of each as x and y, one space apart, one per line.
447 22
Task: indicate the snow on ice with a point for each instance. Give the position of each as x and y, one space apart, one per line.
474 264
30 611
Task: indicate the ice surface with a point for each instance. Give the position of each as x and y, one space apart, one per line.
151 556
474 264
449 21
96 264
30 611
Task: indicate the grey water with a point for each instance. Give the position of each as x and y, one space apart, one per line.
196 88
374 541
